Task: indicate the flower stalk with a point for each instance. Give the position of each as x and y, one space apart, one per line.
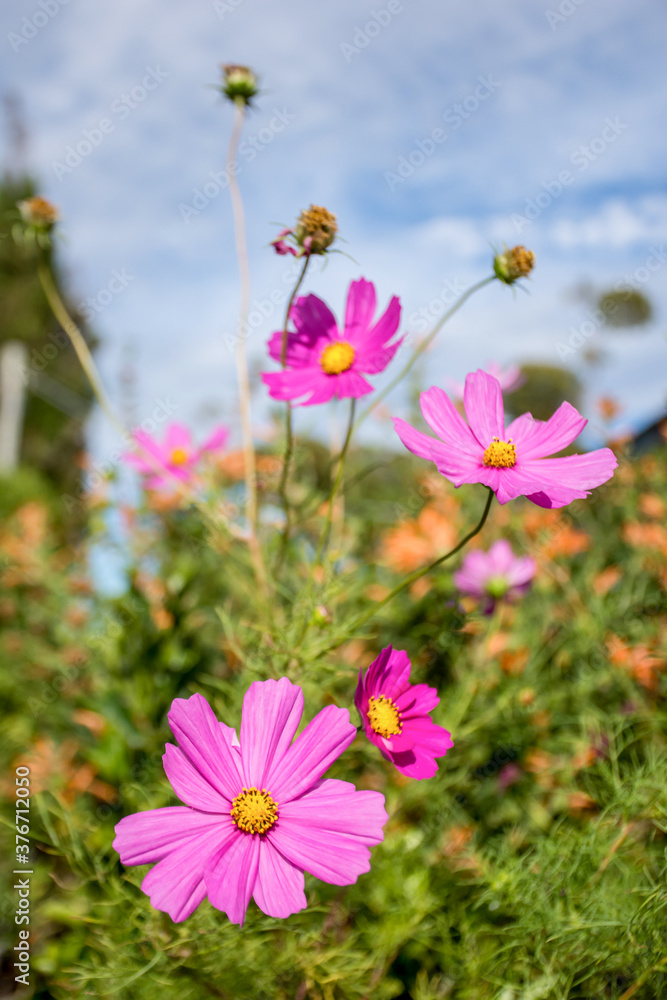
240 353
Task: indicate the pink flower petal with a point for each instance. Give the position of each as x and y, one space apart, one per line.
328 831
445 420
279 887
314 750
272 712
416 700
373 360
300 382
538 438
313 319
149 836
359 310
177 436
217 440
190 786
206 744
350 384
483 402
231 873
389 673
386 326
580 472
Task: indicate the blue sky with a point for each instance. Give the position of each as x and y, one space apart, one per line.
352 91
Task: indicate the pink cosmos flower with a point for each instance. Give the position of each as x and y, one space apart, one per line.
323 362
178 455
510 378
395 715
511 461
495 574
258 813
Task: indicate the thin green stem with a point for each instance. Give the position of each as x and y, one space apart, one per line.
420 572
324 539
289 438
423 346
78 343
83 353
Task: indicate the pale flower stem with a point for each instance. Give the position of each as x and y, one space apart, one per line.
83 353
241 359
423 346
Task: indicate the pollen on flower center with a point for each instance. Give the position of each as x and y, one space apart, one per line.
254 811
179 456
384 717
337 358
500 454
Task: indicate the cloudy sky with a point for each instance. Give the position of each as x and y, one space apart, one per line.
550 121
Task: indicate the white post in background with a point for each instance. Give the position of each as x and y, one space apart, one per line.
13 361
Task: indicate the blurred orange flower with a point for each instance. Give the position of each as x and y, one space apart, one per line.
653 506
640 661
605 580
53 768
564 541
411 544
608 407
645 536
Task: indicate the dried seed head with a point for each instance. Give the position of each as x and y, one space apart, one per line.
316 229
38 212
513 264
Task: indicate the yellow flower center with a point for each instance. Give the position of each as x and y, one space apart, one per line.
337 358
179 456
384 717
254 811
500 454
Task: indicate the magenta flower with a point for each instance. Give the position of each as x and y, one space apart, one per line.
395 715
510 378
178 456
258 813
495 574
321 361
511 461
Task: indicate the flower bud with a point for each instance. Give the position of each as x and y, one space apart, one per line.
239 84
315 229
513 264
38 213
